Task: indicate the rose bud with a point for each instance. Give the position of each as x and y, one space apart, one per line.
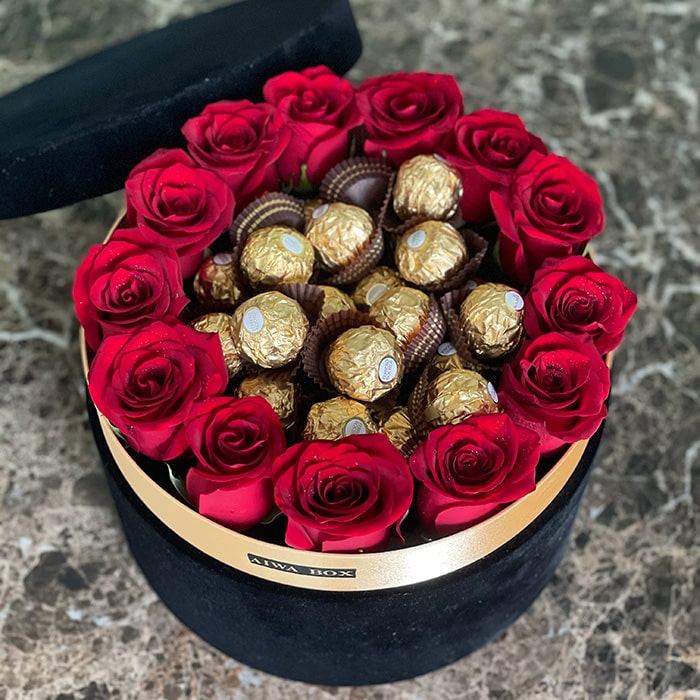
235 442
573 295
468 471
345 495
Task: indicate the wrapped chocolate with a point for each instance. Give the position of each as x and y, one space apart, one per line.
427 187
339 232
491 319
373 285
270 329
214 282
365 363
403 311
457 394
398 427
445 359
278 388
429 253
310 206
337 418
277 255
220 323
335 300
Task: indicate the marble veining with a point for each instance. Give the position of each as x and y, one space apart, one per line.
613 85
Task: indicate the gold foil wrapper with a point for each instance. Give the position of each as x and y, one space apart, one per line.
429 253
402 311
214 281
337 418
398 427
310 206
427 186
220 323
334 300
270 329
457 394
277 255
278 389
374 285
491 318
365 363
339 232
445 359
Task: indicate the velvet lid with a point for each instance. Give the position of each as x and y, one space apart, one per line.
76 133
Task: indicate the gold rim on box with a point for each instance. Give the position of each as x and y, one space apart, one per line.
340 572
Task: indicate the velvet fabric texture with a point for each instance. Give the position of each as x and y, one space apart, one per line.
347 638
77 133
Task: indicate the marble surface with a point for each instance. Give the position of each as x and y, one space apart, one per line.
611 84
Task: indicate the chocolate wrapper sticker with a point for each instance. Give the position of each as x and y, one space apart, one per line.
491 319
214 282
270 329
457 394
445 359
398 427
365 363
429 253
220 323
338 418
427 187
370 288
277 255
339 232
403 311
277 388
334 300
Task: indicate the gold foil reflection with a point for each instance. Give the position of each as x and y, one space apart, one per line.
337 418
457 394
220 323
278 389
402 311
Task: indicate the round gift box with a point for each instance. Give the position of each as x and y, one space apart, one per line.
344 619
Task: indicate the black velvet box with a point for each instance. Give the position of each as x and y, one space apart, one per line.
323 618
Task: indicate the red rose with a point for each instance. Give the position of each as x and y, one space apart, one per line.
235 442
238 141
124 284
175 202
406 114
552 209
342 495
317 110
556 385
573 295
486 147
146 382
467 471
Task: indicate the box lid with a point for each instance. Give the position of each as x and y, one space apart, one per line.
76 133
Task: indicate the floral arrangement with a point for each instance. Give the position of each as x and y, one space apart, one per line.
257 411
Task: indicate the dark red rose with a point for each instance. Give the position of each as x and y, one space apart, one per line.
406 114
176 202
556 385
486 147
573 295
342 495
235 442
468 471
237 139
146 382
125 284
552 209
316 109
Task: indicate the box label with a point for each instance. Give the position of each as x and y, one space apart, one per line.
322 571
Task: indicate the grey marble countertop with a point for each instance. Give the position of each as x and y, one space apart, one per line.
611 84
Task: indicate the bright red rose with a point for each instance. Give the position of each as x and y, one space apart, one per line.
125 284
176 202
406 114
556 385
552 209
468 471
146 382
316 109
237 139
486 147
342 495
573 295
235 442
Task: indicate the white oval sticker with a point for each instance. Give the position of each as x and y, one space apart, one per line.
253 320
318 212
514 300
375 291
354 427
387 369
223 259
492 392
292 244
447 349
416 239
